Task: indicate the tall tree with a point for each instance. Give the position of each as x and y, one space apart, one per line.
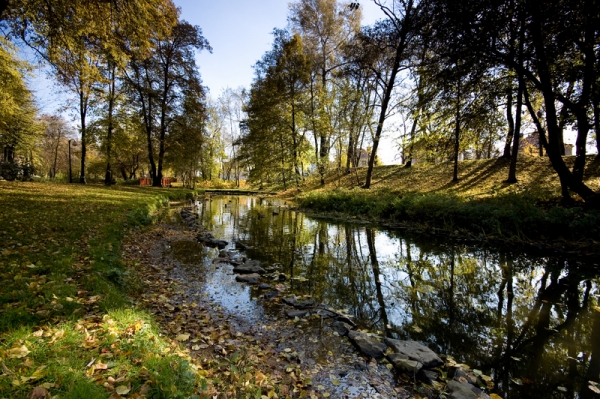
18 127
395 37
559 38
277 109
159 80
326 26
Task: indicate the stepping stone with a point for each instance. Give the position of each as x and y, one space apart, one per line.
341 328
248 278
415 351
367 345
464 390
405 365
292 314
249 267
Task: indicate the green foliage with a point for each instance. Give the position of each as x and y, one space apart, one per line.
18 127
275 143
508 216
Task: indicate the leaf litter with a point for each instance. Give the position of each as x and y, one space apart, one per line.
243 344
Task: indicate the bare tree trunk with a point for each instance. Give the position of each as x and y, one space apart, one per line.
511 124
512 170
56 154
108 178
82 115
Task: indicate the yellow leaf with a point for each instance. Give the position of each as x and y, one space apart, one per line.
495 396
122 390
183 337
57 335
17 353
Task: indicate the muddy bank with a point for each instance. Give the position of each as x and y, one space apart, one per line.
199 303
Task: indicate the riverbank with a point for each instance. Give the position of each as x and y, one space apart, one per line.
68 327
481 206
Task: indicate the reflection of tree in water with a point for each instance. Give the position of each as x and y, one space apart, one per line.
485 309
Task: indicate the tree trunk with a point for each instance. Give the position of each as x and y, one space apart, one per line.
596 104
56 155
295 145
157 182
108 178
406 26
511 124
314 128
562 121
580 144
457 134
384 106
512 170
413 130
82 115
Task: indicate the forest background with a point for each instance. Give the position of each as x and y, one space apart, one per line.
442 83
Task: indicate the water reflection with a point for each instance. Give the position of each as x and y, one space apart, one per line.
531 323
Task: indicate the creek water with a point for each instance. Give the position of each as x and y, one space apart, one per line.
532 323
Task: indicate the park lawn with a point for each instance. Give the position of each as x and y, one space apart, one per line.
67 324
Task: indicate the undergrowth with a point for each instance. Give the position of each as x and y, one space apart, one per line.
508 216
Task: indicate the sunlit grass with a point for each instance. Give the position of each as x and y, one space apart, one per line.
66 321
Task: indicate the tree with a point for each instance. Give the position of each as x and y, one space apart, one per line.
53 145
188 145
158 81
326 26
394 38
75 68
277 110
558 40
18 127
230 111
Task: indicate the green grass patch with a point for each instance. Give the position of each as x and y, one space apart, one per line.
508 216
65 311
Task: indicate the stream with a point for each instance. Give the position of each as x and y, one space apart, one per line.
531 323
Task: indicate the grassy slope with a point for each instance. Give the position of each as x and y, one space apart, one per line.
477 179
66 323
480 202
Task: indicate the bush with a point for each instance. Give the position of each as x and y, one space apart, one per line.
512 216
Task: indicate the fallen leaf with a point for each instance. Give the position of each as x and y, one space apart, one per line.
594 389
17 353
39 393
122 390
183 337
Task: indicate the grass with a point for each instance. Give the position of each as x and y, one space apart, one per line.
66 322
480 205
